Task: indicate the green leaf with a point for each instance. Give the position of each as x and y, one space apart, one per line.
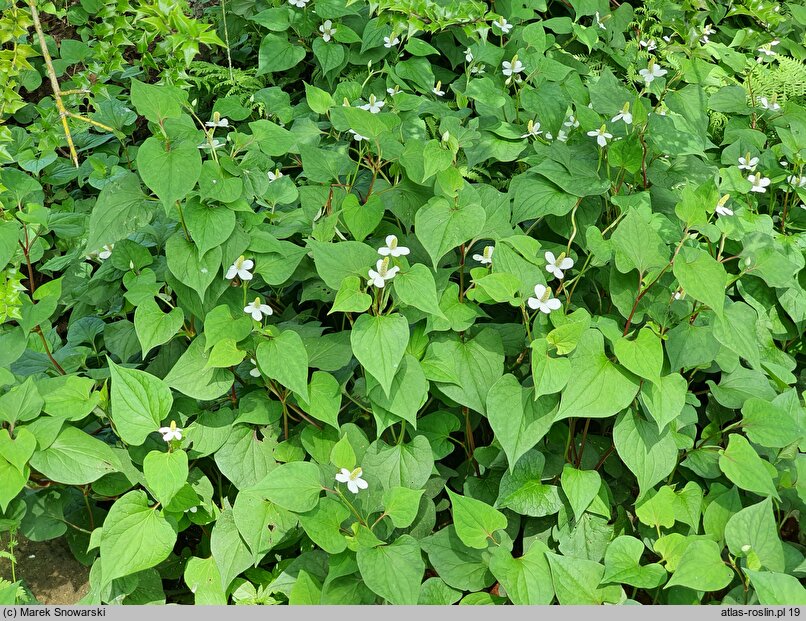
416 287
665 399
166 474
208 226
12 482
576 580
769 425
701 568
522 490
407 464
191 375
475 521
742 465
153 327
330 55
360 219
642 356
442 226
277 54
393 571
408 393
755 526
120 210
157 102
599 388
401 505
18 450
284 358
21 403
171 172
323 525
518 420
243 458
192 269
527 579
335 262
204 581
637 245
75 458
140 402
460 566
658 510
134 537
350 298
580 487
650 455
776 589
623 565
702 277
294 486
324 403
230 552
549 374
379 343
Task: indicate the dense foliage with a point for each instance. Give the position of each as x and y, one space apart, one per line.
405 301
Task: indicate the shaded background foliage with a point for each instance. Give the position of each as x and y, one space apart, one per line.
405 301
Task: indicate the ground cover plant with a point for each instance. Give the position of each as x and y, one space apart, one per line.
404 301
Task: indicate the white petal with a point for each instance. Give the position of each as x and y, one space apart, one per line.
566 264
391 239
479 258
540 291
244 275
384 251
351 485
550 258
266 309
533 303
361 483
343 476
164 429
401 251
553 304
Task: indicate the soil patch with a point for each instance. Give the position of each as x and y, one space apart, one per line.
48 569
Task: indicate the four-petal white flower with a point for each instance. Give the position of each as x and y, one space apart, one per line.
392 41
327 30
218 121
240 269
300 4
767 104
254 371
258 309
274 176
106 252
652 71
557 266
532 130
759 182
721 209
798 182
171 433
437 90
513 67
486 258
748 163
352 479
382 273
468 55
602 135
543 300
503 25
356 136
625 115
374 105
391 249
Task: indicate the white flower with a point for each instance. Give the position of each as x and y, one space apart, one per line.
720 209
558 265
561 135
392 249
599 21
106 252
327 30
571 122
390 41
437 90
468 55
274 176
759 183
240 269
625 115
550 136
532 130
763 51
257 309
708 29
300 4
218 121
768 105
512 68
353 479
602 135
356 136
748 163
652 71
254 371
374 105
650 45
382 273
503 25
678 295
486 258
667 38
393 91
214 144
477 70
798 182
171 433
543 300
